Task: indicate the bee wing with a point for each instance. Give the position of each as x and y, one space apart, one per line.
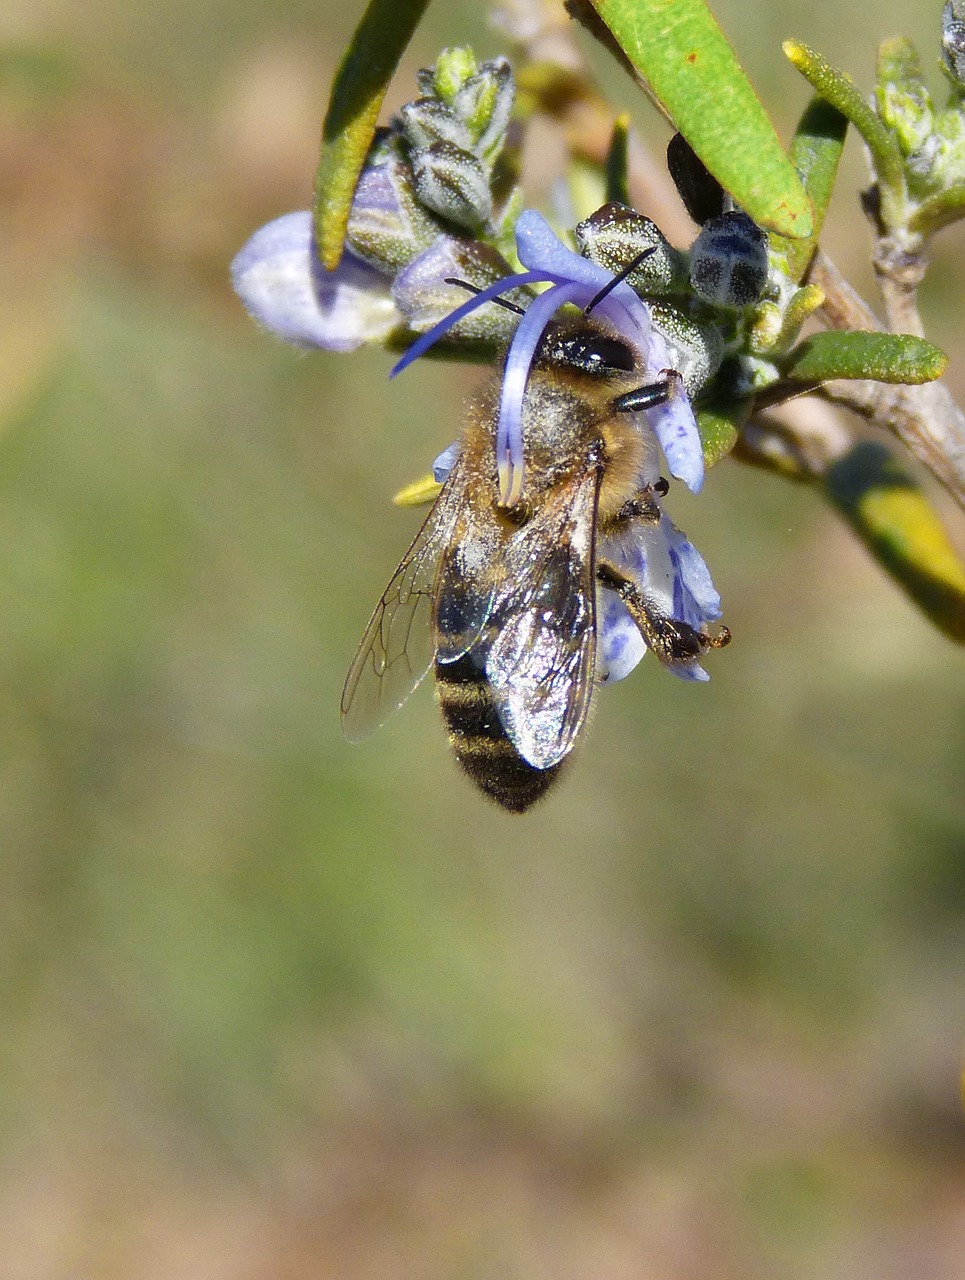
466 585
396 649
540 665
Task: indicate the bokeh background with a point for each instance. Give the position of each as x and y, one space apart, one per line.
278 1008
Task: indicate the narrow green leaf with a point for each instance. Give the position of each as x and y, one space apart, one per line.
353 111
855 353
840 90
894 519
900 65
815 152
719 426
939 211
677 46
802 306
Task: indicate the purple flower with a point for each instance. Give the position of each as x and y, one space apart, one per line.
284 287
575 279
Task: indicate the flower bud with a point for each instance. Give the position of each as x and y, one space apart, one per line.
427 120
904 104
424 297
615 235
695 350
451 182
453 68
728 261
484 104
387 225
764 334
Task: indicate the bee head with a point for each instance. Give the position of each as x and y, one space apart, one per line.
587 350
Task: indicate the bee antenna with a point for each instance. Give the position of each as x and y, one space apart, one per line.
628 270
471 288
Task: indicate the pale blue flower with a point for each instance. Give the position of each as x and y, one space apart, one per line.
284 287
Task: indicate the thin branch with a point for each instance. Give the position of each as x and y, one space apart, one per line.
843 306
899 273
800 439
926 419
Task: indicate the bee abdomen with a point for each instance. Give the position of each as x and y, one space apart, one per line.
480 742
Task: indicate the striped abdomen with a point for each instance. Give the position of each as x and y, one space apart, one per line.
480 742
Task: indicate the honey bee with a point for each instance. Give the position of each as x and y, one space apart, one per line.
501 601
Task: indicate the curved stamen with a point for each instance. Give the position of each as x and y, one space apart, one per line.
519 360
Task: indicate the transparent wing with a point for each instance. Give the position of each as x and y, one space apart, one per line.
540 665
396 650
466 585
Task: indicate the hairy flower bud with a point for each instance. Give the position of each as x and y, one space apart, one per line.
427 120
388 225
423 295
453 68
484 104
615 234
478 101
904 104
728 261
696 350
452 183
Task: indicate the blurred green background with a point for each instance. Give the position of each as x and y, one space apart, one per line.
278 1008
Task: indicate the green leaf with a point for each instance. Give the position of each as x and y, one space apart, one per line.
679 49
353 111
939 211
815 152
719 426
894 519
840 90
855 353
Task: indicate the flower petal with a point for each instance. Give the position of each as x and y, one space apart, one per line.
519 361
696 600
674 424
283 286
620 646
445 463
671 574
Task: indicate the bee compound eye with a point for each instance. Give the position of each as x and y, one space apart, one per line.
594 353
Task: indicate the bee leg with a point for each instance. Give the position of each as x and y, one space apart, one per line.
643 506
652 394
670 639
